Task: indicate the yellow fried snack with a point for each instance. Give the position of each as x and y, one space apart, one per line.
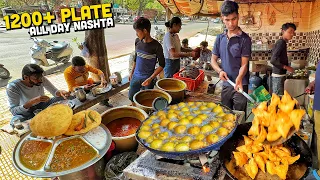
262 106
150 139
155 126
169 146
287 107
296 117
254 130
156 144
262 135
203 116
144 134
186 139
229 117
171 125
196 121
200 137
247 140
292 160
52 121
241 158
182 147
88 119
286 97
145 128
251 168
273 136
206 128
163 135
212 138
196 144
214 124
260 161
164 122
275 99
194 130
222 131
184 121
271 167
255 148
218 109
281 153
284 124
282 169
228 125
180 129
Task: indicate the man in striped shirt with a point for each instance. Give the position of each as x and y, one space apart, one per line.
148 52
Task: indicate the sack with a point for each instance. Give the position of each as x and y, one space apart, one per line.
85 51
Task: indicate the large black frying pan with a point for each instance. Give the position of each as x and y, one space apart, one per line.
191 153
295 143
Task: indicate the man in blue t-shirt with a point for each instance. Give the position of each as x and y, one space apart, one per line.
148 52
233 47
314 86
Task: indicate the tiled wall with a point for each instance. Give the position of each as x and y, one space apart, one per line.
300 40
313 39
308 32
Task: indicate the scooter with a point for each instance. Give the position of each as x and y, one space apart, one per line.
4 73
159 34
59 52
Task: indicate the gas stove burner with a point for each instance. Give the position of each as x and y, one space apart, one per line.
149 166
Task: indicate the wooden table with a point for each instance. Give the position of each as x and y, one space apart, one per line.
93 100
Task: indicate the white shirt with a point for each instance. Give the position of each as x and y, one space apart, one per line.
171 41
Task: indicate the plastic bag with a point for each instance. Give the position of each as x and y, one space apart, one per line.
117 164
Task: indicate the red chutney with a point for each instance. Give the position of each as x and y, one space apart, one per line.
34 154
123 126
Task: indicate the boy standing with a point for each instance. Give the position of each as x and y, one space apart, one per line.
279 59
233 47
148 52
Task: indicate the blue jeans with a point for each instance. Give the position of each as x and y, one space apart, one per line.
135 86
172 66
278 85
29 114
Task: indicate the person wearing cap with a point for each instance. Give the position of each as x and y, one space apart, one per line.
233 47
27 94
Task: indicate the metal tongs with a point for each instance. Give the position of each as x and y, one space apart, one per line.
242 92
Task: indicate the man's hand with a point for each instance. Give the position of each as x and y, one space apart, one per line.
63 93
223 76
130 77
238 84
310 88
88 86
146 82
288 68
36 100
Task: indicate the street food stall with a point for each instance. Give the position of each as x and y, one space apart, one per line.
182 133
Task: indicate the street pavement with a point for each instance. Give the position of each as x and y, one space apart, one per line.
15 45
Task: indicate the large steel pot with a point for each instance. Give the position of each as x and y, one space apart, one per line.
125 143
295 143
175 87
149 94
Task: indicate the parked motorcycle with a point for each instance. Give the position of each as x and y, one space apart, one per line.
159 34
4 73
59 52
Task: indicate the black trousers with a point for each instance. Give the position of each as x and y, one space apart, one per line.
233 99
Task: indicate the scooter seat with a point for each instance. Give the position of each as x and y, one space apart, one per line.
58 47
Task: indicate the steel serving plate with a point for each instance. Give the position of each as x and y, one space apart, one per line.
192 153
44 172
